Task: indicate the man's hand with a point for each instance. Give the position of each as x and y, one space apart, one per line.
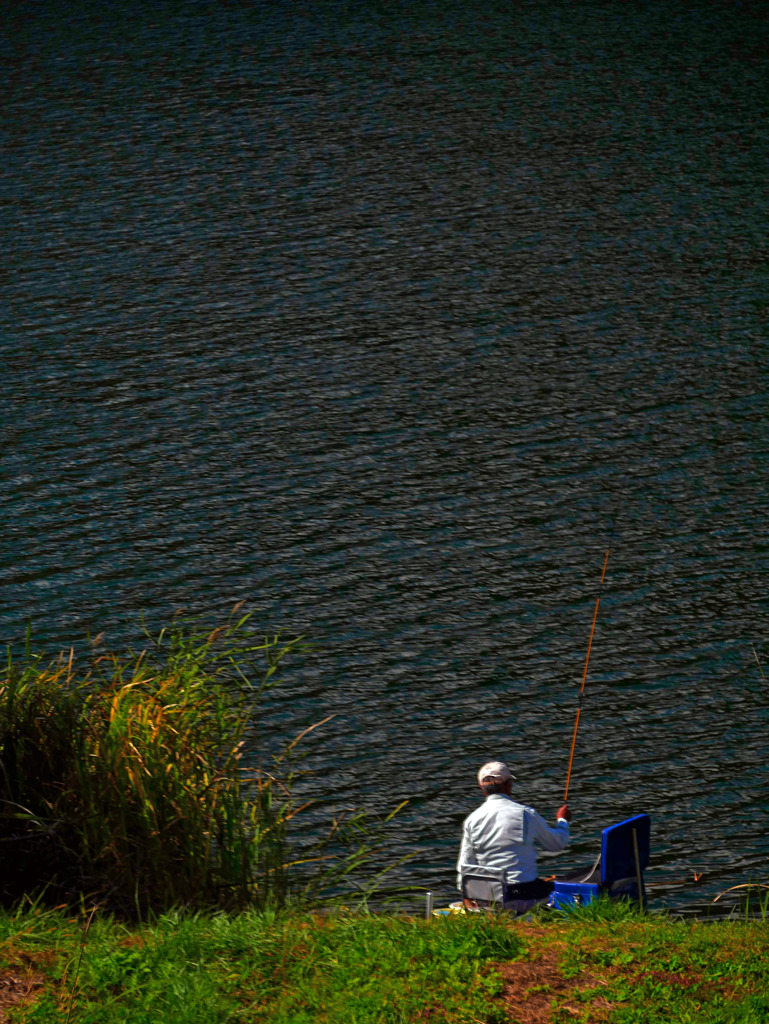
564 812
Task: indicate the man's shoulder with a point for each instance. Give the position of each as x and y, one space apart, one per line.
477 813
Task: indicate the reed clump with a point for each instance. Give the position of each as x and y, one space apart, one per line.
124 777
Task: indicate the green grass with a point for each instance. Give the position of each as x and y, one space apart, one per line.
343 968
261 967
633 969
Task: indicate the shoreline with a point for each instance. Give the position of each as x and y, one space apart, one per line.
610 965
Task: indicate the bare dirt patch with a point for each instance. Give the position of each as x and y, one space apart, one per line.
17 987
536 991
531 987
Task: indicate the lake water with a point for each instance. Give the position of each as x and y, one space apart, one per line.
371 315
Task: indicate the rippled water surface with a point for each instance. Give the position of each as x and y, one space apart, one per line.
362 314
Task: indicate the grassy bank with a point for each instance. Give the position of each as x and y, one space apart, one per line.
291 969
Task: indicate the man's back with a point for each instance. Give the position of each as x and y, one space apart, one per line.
501 833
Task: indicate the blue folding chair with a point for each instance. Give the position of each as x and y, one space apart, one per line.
618 871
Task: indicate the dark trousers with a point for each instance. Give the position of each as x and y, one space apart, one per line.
536 890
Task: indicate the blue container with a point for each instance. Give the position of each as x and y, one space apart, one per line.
615 875
573 894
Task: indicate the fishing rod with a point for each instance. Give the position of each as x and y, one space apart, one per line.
590 641
760 669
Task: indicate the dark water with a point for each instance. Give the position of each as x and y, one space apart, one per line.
362 313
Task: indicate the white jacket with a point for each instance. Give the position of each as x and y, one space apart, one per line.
501 834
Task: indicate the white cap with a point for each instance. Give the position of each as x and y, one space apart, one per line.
494 771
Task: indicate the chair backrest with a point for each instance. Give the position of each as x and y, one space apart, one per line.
479 883
618 851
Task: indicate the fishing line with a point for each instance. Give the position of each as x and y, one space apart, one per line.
592 631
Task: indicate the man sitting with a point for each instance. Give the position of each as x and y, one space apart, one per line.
501 834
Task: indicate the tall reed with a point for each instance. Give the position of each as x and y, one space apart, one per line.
124 778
